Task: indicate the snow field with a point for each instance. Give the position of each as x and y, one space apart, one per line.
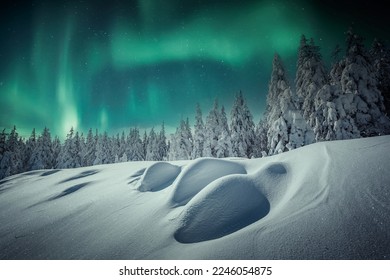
328 200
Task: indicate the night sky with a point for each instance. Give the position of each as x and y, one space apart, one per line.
117 64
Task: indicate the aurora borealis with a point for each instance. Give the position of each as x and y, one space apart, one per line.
115 64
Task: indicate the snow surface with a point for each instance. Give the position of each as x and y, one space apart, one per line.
199 174
158 176
328 200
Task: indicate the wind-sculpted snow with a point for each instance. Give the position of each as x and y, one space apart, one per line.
329 200
158 176
223 207
79 176
199 174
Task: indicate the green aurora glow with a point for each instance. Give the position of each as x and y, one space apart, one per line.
118 64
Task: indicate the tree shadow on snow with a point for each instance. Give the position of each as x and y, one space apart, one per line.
35 172
70 190
81 175
138 173
47 173
64 193
136 176
3 182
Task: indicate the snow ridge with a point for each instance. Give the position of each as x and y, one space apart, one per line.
328 200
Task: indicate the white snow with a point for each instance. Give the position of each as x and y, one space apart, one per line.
199 174
226 205
158 176
329 200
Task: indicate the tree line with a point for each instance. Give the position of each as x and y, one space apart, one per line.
351 100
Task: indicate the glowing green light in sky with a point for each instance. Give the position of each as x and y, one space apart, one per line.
139 65
232 36
65 87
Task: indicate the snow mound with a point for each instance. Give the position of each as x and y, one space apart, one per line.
158 176
329 200
225 206
199 174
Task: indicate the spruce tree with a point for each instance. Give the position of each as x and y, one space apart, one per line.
212 131
152 146
3 137
70 155
242 128
12 158
287 129
224 144
381 61
310 78
162 144
199 134
359 86
30 146
42 155
135 149
260 145
56 147
89 149
144 145
181 142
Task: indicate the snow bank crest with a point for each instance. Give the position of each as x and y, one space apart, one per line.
225 206
158 176
199 174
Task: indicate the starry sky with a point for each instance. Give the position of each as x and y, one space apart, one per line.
114 64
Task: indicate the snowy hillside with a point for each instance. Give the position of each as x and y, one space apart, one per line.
323 201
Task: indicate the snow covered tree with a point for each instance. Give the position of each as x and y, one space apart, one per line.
56 148
260 145
103 153
162 144
114 147
3 137
351 106
12 158
30 146
224 144
122 148
287 129
135 150
332 117
310 77
152 146
359 87
333 120
242 128
199 136
381 62
144 144
89 149
76 150
212 131
278 87
336 54
82 149
42 155
70 155
123 158
181 142
303 55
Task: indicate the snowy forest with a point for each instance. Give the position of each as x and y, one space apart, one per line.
352 100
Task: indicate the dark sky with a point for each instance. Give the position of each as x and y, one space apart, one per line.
115 64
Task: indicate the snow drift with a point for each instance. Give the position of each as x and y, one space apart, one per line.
199 174
328 200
